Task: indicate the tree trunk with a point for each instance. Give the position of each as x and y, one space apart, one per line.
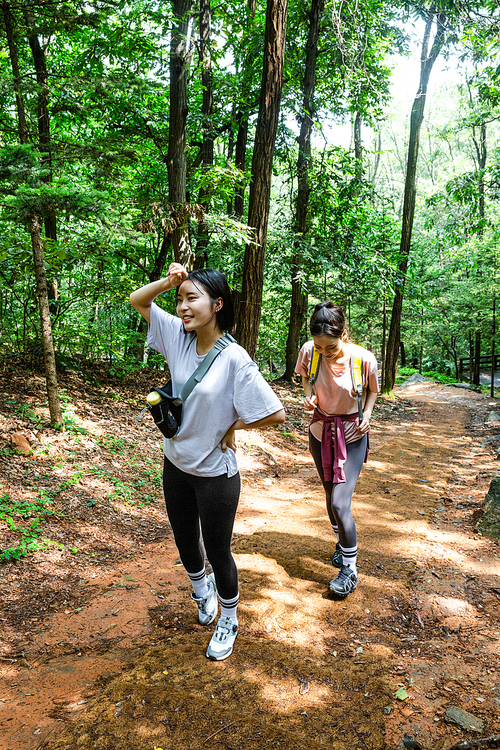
43 119
453 344
301 224
160 260
421 356
493 333
44 140
207 125
242 119
477 358
36 244
378 151
239 162
482 166
298 309
481 152
427 61
471 359
358 143
176 155
260 190
384 334
16 75
43 305
229 158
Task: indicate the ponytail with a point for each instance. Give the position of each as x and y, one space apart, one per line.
327 320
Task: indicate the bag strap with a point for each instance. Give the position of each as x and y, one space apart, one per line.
314 368
357 377
203 367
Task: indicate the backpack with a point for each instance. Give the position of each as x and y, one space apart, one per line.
356 373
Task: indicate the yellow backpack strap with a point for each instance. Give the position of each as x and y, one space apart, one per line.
357 377
314 368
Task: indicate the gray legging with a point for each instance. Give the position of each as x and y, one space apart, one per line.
339 496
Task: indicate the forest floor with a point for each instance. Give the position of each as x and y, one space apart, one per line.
99 643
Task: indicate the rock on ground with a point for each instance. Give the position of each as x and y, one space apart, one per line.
489 525
464 719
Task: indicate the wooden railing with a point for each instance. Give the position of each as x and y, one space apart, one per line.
484 363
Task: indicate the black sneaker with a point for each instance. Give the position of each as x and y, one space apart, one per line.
346 581
337 557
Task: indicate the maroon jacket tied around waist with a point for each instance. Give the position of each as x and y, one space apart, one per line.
336 458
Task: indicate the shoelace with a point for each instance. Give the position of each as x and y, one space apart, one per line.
345 572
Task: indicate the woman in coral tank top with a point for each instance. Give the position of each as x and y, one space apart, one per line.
338 440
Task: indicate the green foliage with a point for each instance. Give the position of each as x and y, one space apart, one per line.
405 372
71 421
20 165
28 414
106 168
32 510
61 198
111 443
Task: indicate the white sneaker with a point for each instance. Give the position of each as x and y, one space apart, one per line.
221 645
208 605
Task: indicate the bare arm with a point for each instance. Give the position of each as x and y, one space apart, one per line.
311 403
371 397
229 440
310 399
142 298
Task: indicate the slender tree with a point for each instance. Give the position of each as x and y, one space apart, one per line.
242 117
176 155
249 310
16 74
298 303
43 117
35 229
427 59
207 124
493 334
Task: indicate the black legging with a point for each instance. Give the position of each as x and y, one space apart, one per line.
339 496
211 501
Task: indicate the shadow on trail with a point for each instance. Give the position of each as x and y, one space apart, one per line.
295 680
309 558
304 673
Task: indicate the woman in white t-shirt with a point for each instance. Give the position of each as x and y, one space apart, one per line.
337 441
201 482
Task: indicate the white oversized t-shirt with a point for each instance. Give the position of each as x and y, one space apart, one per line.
232 388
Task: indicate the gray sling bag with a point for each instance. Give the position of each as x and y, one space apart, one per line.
167 412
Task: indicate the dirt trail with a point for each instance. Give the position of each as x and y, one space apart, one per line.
127 670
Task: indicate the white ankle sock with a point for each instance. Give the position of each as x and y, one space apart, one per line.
199 583
349 557
228 607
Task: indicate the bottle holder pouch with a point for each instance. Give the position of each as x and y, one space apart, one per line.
167 415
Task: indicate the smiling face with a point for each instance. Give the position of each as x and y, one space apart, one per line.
331 348
195 307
